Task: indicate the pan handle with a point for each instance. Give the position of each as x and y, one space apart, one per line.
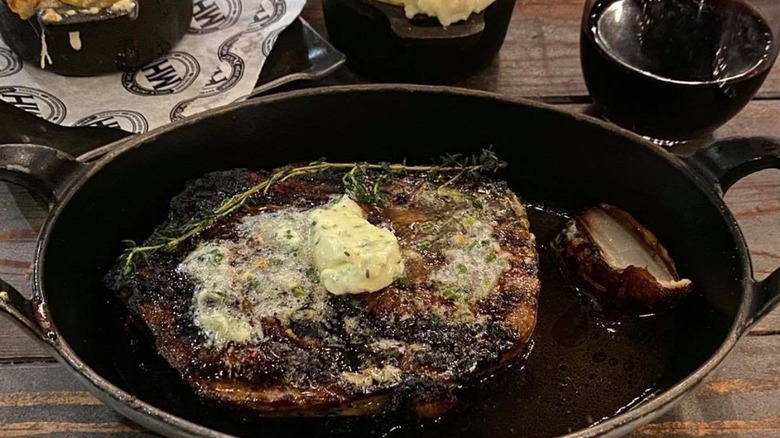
727 161
20 127
724 163
45 171
21 311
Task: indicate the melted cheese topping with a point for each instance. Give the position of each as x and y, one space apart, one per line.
75 40
44 51
352 255
123 6
89 3
447 11
27 8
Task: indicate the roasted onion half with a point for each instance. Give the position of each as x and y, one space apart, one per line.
621 260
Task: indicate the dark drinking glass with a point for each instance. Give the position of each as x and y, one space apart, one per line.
675 70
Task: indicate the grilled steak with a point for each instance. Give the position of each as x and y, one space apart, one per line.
243 313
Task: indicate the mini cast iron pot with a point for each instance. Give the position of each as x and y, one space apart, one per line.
382 43
553 155
86 44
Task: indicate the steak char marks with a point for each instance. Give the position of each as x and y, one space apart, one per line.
465 305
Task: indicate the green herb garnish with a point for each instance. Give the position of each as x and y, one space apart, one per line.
426 228
253 284
452 293
213 257
312 273
360 184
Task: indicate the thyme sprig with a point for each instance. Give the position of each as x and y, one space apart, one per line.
356 181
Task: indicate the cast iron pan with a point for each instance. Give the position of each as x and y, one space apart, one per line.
91 44
382 43
559 162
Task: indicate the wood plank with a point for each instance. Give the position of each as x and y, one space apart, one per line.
67 428
540 56
45 399
21 215
27 399
743 428
739 399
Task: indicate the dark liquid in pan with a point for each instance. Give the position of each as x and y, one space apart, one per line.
584 367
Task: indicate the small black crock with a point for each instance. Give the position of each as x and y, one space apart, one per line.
382 43
84 46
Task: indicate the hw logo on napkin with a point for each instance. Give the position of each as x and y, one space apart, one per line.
34 101
10 64
229 71
171 74
213 15
270 12
130 121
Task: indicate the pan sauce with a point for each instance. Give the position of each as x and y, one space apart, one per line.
584 367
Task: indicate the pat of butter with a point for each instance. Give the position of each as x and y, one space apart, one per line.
224 326
213 315
351 255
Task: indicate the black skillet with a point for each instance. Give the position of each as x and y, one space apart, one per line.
86 44
559 161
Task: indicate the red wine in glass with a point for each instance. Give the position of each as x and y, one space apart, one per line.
674 69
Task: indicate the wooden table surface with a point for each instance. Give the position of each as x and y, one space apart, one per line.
539 60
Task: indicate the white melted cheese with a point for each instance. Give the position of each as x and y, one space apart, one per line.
44 51
75 40
351 254
51 16
123 6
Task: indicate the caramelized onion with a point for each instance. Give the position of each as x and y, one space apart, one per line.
621 260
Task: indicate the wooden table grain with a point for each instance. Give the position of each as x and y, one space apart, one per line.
540 61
